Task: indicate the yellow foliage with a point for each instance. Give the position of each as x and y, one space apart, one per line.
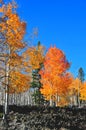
83 91
18 82
75 86
63 102
13 30
34 57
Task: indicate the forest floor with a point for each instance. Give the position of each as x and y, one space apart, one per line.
44 118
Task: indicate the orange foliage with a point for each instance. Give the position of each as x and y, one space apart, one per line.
56 59
54 78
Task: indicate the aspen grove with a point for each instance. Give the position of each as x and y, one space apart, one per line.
31 69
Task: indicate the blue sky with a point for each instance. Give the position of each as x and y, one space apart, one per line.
61 23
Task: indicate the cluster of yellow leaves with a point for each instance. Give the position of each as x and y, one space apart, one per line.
77 89
15 60
83 91
13 30
63 101
33 57
75 86
12 27
18 82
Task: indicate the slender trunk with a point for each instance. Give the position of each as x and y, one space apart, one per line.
57 99
51 102
7 71
71 100
20 98
74 99
6 100
29 98
15 98
35 96
79 96
6 96
6 91
2 98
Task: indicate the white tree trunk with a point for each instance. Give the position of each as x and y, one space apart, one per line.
51 102
79 96
57 99
6 90
75 100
